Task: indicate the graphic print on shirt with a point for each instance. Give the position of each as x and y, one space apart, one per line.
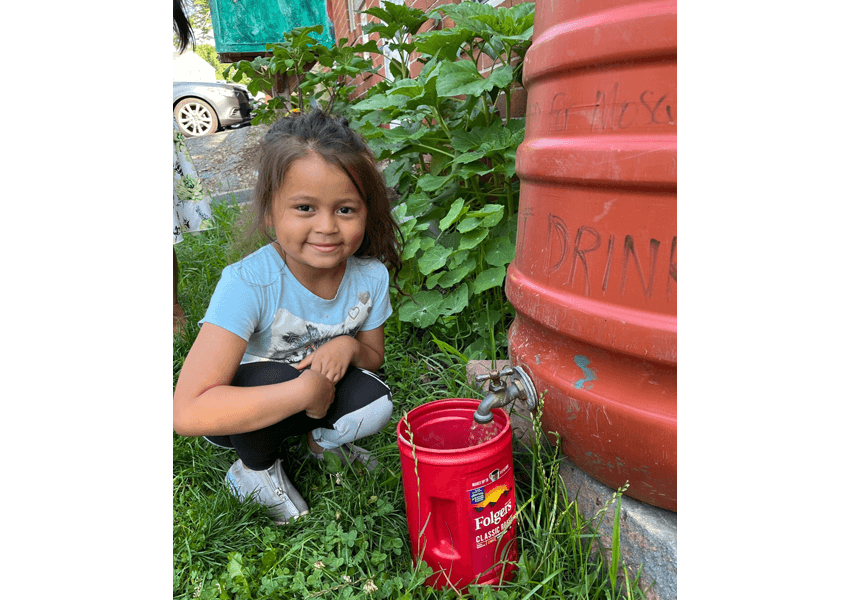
293 338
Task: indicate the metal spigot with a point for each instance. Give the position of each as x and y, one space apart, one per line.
500 394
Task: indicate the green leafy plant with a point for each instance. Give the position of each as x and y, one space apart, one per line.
313 75
452 158
398 24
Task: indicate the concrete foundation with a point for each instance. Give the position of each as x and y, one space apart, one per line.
647 533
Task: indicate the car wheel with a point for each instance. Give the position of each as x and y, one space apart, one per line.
195 117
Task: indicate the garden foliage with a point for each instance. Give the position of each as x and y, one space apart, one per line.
314 75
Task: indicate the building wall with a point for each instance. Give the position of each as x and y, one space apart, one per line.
348 23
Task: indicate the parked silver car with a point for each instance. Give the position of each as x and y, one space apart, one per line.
202 108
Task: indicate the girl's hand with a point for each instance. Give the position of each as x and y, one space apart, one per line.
332 359
319 392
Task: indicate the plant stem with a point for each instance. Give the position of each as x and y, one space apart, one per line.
442 123
436 150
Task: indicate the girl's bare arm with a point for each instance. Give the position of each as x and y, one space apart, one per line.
206 404
371 351
332 359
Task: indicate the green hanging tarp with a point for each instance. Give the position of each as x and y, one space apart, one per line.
248 25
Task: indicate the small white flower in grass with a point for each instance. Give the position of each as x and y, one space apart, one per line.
318 565
370 586
346 579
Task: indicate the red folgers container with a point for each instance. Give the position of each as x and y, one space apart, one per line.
594 281
459 499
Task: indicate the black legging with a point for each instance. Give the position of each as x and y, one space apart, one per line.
362 405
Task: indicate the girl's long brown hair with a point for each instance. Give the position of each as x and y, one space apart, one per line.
291 138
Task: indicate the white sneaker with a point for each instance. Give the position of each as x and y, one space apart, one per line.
270 487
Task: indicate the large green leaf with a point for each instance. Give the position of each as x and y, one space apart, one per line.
456 301
434 258
461 77
456 210
370 46
411 248
407 228
468 157
405 18
468 224
500 251
458 273
475 169
488 210
445 42
493 136
422 309
502 76
379 101
463 14
418 203
488 216
394 171
433 279
408 87
489 278
430 183
400 134
471 239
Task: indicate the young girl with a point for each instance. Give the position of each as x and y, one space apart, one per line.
293 331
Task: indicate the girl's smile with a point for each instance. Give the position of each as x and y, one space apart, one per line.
319 219
325 247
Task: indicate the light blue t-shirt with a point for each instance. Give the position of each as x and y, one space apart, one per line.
262 302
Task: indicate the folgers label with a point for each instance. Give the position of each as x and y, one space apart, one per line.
492 505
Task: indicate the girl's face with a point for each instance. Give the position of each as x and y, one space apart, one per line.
318 216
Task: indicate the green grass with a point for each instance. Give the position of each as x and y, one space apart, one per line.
354 543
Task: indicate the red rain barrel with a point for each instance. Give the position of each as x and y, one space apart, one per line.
594 278
459 500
